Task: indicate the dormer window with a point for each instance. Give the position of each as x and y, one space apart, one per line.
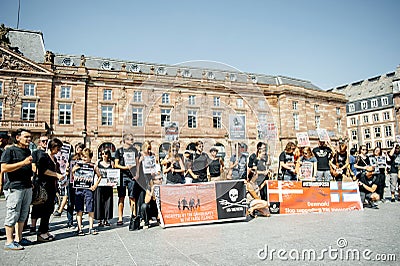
106 65
134 68
253 79
232 77
210 75
67 62
161 71
186 73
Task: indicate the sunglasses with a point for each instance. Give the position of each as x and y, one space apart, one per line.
44 140
104 154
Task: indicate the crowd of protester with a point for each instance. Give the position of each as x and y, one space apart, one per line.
138 180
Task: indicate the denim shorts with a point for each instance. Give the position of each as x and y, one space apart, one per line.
18 203
84 198
131 185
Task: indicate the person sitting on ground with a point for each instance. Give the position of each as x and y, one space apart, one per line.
253 195
368 184
149 207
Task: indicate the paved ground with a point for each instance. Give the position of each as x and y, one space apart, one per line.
237 243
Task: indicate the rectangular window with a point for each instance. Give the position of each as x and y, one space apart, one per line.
65 92
355 146
337 110
217 101
239 103
374 103
364 105
377 131
367 133
107 95
317 120
165 116
296 121
365 119
1 110
192 99
29 89
192 119
295 105
378 144
388 131
137 117
28 111
352 121
389 143
1 87
316 108
375 117
165 98
368 145
262 118
352 108
339 125
385 101
137 96
64 114
386 116
354 134
106 115
217 118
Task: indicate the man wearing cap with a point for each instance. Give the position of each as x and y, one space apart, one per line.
323 154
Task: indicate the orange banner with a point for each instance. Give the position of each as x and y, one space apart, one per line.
289 197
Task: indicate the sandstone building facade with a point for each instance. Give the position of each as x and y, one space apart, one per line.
96 100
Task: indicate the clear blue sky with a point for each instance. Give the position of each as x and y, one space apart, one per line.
330 42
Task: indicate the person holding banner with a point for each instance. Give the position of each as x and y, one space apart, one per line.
173 166
287 162
48 172
253 195
103 196
84 197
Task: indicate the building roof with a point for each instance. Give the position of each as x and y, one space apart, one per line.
186 70
368 88
30 43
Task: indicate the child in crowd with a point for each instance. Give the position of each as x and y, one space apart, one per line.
86 196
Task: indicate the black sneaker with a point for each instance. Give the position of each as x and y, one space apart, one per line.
393 200
57 214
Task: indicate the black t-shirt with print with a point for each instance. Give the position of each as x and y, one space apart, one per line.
20 178
394 163
287 158
120 155
367 181
323 155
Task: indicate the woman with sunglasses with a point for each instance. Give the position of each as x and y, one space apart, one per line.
174 166
362 160
48 173
103 195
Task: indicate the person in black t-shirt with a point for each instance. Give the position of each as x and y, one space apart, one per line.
323 153
394 162
368 184
200 164
127 159
215 165
16 161
340 163
287 162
